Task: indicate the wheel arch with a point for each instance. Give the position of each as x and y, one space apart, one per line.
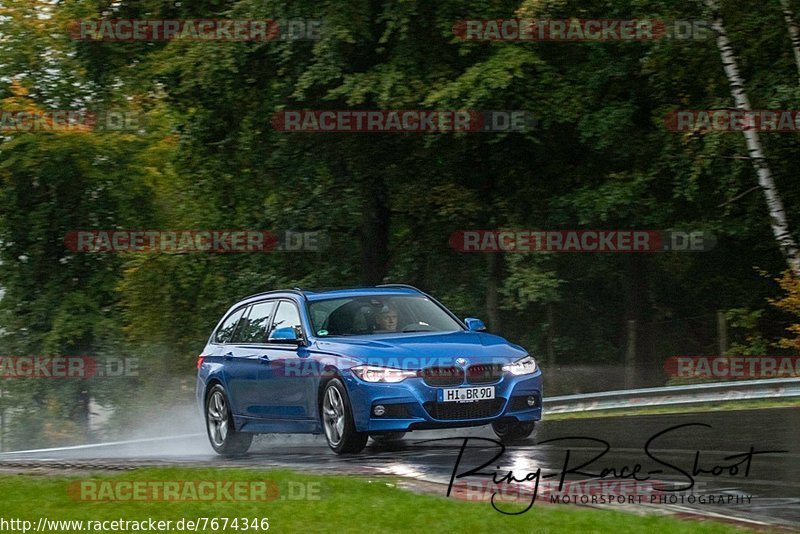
210 383
328 373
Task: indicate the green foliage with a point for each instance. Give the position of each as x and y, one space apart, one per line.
209 158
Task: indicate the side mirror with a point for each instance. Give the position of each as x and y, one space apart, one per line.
474 325
286 334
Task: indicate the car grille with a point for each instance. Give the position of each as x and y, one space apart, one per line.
464 410
484 373
443 376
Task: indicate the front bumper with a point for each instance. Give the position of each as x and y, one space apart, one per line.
412 404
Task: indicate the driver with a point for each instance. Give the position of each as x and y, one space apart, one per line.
386 320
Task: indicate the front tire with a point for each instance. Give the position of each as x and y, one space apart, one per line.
222 435
337 420
509 432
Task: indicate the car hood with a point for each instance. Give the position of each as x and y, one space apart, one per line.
426 349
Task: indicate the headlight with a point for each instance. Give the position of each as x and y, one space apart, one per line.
372 373
523 366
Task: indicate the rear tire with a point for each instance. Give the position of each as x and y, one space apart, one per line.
337 420
222 435
510 432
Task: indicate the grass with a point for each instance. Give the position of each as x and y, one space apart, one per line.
757 404
344 504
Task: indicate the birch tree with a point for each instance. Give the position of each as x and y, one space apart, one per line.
777 214
794 31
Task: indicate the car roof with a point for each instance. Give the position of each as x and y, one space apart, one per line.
361 292
324 294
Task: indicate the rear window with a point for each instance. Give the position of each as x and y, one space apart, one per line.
225 331
253 327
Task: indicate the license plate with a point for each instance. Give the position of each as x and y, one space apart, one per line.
466 394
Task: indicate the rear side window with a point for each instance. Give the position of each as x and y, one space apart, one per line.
225 332
287 315
253 328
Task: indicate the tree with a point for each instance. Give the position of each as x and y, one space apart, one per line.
794 31
777 214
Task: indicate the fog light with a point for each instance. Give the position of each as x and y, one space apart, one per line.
531 400
379 410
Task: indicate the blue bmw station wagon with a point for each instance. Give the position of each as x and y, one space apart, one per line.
357 363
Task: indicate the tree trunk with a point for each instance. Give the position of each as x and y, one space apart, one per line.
492 289
375 232
639 363
630 356
794 31
722 333
780 226
2 422
551 335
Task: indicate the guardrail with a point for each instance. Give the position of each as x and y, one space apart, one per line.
585 402
675 395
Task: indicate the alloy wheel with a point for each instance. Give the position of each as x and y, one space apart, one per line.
333 416
217 418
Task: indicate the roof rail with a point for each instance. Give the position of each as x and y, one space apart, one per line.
406 286
296 291
302 292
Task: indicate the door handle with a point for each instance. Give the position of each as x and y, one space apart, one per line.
228 355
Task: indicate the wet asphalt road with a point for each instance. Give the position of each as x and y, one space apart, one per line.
772 483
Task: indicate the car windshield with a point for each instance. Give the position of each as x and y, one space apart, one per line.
379 314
